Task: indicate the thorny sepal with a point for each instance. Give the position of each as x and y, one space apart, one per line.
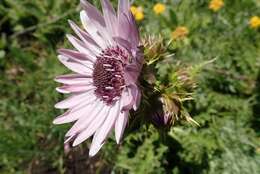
165 96
155 49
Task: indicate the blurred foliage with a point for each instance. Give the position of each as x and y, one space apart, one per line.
226 101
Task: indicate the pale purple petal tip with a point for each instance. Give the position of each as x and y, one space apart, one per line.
120 125
105 129
109 16
92 12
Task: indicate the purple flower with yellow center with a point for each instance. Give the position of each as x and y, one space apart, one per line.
106 62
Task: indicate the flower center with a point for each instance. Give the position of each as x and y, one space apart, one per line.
108 74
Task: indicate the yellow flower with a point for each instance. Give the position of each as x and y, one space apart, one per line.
255 22
137 12
159 8
139 16
180 33
215 5
134 10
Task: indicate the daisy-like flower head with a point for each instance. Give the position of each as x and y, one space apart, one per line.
106 65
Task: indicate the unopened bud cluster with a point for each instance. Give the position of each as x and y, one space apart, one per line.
165 97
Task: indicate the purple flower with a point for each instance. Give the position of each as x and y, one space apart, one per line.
106 65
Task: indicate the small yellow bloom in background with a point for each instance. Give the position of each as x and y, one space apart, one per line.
137 12
216 5
159 8
255 22
139 16
180 33
134 10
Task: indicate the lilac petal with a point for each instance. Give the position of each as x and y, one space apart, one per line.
109 16
123 14
124 43
89 65
92 127
85 120
89 43
80 46
137 100
105 129
135 38
128 100
123 7
95 148
75 66
92 12
69 139
124 28
74 79
75 100
60 90
127 29
74 113
139 58
80 125
120 125
131 98
76 55
67 89
135 93
131 74
97 30
92 30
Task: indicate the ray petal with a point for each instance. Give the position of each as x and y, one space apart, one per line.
92 12
92 30
110 17
85 63
120 125
84 121
124 28
67 89
137 100
76 99
128 100
123 7
75 66
124 43
89 43
135 38
105 129
80 46
74 114
74 79
77 55
93 126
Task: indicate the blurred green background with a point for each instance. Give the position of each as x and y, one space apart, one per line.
227 99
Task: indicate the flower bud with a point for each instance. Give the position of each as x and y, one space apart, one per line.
154 48
167 113
186 79
162 120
